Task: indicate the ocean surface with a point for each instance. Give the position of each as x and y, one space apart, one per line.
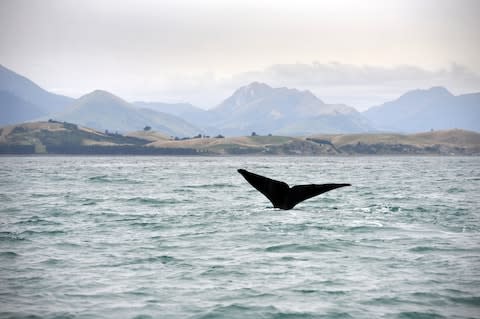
188 237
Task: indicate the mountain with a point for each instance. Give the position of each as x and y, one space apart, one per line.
260 108
16 110
30 92
423 110
256 107
104 111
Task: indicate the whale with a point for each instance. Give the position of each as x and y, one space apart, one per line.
283 196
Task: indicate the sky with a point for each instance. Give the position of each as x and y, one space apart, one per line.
361 53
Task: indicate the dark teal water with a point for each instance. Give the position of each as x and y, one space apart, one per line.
187 237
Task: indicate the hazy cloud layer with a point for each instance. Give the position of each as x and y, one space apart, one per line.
362 86
358 86
338 74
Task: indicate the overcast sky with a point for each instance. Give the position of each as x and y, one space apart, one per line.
356 52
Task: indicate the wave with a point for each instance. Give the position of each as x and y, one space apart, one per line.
423 249
419 315
163 259
43 232
301 247
373 227
269 312
109 179
8 254
100 178
153 201
35 220
11 236
473 301
211 186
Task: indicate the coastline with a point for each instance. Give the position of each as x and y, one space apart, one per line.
56 138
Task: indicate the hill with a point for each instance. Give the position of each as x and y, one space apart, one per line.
262 109
451 142
447 142
422 110
104 111
66 138
55 137
30 92
249 145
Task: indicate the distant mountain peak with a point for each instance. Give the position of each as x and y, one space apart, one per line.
253 90
257 107
422 110
439 90
257 85
98 91
259 90
435 91
101 95
30 92
248 93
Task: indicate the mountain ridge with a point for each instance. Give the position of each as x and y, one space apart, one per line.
422 110
255 107
31 92
103 110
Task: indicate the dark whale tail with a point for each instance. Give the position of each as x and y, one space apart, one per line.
281 195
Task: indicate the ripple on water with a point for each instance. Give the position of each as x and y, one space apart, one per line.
54 232
419 315
472 301
36 220
215 186
292 248
154 201
244 311
11 237
111 179
8 254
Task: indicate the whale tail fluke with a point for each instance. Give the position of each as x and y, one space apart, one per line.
281 195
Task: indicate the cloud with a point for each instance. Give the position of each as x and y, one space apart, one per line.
360 85
339 74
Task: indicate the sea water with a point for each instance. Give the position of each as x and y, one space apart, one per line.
188 237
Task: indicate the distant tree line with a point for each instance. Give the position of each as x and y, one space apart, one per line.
66 125
176 138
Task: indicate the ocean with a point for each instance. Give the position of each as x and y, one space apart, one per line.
188 237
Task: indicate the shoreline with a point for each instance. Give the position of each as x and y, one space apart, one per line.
55 138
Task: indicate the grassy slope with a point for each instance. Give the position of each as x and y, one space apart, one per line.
451 137
230 145
43 134
448 141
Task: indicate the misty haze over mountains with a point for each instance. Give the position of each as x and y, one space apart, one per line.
256 107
